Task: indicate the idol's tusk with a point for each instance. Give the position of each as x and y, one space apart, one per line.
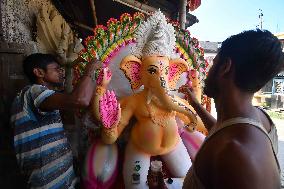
173 89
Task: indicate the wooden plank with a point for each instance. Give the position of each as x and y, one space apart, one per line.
12 51
11 81
94 13
13 48
182 13
1 27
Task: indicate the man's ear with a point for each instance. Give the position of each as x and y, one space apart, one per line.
226 67
38 72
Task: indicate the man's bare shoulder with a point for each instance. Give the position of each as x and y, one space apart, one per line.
241 157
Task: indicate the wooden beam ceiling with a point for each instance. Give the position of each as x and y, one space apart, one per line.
80 13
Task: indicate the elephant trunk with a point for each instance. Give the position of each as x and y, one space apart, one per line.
171 104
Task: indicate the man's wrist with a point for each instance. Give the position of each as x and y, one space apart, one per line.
100 90
194 103
90 75
90 68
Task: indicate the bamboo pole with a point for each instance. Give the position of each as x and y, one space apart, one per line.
182 13
137 6
92 2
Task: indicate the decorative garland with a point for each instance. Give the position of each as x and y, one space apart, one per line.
107 41
193 4
188 48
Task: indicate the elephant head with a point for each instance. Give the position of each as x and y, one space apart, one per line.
158 75
150 65
153 72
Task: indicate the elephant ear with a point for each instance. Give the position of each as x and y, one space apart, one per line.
131 66
176 68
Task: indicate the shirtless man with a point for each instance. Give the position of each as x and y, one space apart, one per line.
240 151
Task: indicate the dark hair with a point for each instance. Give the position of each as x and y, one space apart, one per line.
256 56
37 60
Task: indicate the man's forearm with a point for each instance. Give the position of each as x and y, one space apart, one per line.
84 90
208 120
79 98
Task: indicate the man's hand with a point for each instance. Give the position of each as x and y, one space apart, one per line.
156 180
98 63
110 111
91 66
104 77
189 95
207 119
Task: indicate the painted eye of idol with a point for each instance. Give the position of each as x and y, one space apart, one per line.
167 70
152 70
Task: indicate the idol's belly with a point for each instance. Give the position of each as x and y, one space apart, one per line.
155 139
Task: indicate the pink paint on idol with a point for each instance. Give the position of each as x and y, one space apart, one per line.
109 109
113 53
109 74
101 74
187 74
149 135
193 73
173 70
192 142
97 177
135 70
186 42
100 77
107 60
189 83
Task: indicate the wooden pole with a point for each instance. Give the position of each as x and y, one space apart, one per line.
83 26
92 2
182 13
69 78
142 7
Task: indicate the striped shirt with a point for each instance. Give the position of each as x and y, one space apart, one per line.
41 146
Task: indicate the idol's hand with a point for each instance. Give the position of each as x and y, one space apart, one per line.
110 111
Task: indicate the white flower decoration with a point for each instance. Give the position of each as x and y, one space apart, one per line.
155 37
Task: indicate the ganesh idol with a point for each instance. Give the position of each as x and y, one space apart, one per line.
153 71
